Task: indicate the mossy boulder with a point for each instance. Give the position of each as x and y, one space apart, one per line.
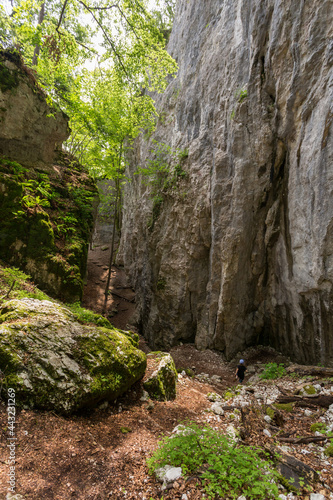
161 378
55 363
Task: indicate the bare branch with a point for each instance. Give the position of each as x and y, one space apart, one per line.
106 36
62 14
104 8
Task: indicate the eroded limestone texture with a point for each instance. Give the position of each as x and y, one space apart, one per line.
244 245
30 130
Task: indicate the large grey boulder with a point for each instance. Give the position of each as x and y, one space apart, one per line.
161 378
55 363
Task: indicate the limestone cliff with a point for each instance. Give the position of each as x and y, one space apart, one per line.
241 251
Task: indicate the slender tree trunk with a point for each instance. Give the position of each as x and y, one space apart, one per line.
40 20
115 210
115 217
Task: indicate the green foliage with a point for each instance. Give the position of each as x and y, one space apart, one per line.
86 316
106 105
228 395
163 168
47 219
23 286
14 274
273 371
227 469
319 427
329 450
125 430
241 94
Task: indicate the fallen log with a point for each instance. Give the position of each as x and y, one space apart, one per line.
320 371
303 440
292 469
312 400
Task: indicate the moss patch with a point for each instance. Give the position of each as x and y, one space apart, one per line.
47 220
8 79
318 427
270 412
284 406
161 384
309 389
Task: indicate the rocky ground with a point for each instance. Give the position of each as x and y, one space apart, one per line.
102 454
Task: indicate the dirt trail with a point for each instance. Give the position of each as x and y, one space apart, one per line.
120 305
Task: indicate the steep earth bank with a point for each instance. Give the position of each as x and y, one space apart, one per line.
236 248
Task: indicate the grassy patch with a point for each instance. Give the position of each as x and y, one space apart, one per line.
15 284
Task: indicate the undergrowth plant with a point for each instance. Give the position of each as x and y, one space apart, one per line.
25 288
273 371
227 469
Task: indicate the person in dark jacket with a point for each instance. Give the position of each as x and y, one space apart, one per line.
240 371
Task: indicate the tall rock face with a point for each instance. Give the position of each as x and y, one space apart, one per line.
241 250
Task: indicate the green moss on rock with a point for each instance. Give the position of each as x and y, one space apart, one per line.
47 220
161 384
309 389
55 363
270 412
318 427
329 450
284 406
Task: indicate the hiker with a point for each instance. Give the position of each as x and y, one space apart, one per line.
240 371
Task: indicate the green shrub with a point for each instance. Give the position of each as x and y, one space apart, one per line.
226 469
272 371
329 450
318 427
241 94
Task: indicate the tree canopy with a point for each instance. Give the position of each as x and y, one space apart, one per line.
123 39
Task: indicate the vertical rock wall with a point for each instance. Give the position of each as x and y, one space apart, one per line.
242 250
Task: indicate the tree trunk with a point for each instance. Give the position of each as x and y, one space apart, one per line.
315 400
40 20
106 293
319 371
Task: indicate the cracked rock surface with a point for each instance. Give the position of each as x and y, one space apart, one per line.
240 251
